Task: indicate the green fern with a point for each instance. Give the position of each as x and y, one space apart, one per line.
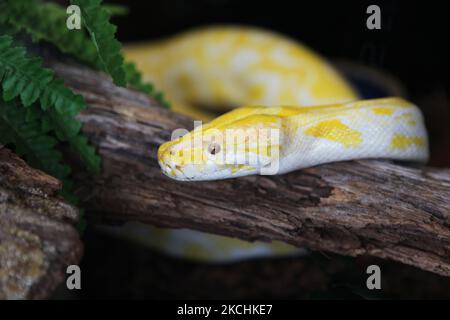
67 129
47 21
23 128
26 78
96 20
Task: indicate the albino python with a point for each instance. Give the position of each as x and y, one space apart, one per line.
317 115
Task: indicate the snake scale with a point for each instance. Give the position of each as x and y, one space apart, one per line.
285 88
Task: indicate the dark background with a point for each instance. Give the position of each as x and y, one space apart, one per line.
412 46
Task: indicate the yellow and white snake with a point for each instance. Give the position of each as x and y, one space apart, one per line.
285 86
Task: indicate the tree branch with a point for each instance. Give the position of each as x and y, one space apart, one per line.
352 208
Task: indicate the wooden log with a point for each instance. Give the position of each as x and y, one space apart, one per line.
367 207
37 235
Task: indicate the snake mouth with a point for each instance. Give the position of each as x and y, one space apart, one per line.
177 172
174 172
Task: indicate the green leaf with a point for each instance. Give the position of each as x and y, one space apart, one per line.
96 20
86 152
22 128
25 77
47 21
21 76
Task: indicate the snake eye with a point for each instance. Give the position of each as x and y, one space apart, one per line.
214 148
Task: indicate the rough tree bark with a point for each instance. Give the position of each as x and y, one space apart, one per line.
352 208
37 237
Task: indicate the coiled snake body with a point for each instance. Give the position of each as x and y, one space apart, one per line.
317 114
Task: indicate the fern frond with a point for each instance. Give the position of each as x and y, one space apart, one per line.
22 128
21 76
26 78
47 21
67 129
96 20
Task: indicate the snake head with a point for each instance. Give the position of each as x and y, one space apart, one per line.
227 147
